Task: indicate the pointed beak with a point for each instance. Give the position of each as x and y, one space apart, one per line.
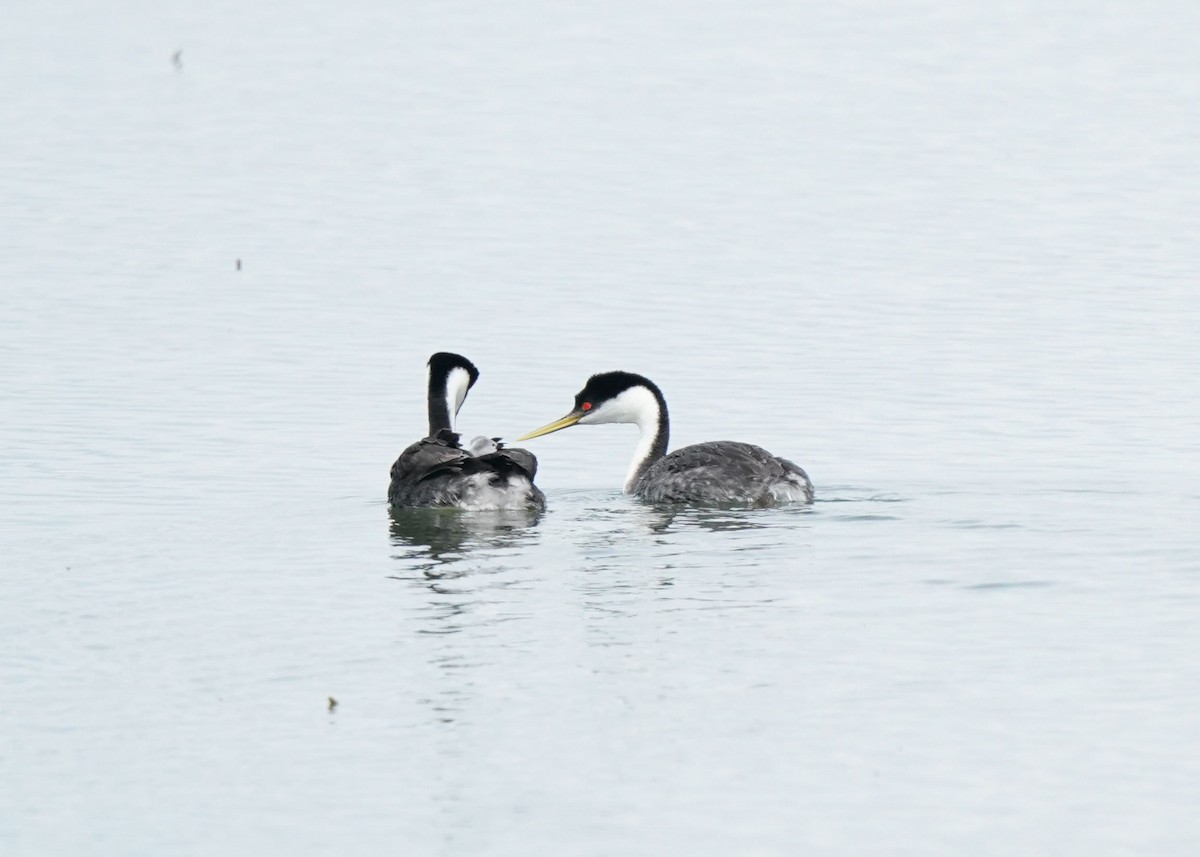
566 422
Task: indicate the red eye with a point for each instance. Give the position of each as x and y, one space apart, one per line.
587 406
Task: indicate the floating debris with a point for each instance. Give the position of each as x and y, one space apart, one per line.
332 703
177 59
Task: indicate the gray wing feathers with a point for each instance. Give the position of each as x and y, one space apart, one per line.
524 459
724 472
414 475
436 472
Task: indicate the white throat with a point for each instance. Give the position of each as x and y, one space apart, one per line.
636 405
640 454
458 382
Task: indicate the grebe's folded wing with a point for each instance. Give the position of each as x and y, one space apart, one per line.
429 456
720 471
521 458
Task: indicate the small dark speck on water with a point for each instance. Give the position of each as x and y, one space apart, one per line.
177 59
332 703
239 264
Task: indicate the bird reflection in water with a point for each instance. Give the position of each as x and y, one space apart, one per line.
456 564
446 543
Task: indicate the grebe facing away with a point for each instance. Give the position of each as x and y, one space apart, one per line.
714 473
438 471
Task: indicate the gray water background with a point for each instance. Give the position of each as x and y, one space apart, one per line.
942 255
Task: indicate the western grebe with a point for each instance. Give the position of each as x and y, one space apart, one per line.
722 471
438 471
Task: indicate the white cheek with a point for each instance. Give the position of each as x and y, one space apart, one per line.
635 405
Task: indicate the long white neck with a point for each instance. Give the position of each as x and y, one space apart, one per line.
642 407
446 396
649 442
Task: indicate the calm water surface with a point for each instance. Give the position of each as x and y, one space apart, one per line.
943 257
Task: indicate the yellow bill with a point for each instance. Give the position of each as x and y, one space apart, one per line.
559 424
